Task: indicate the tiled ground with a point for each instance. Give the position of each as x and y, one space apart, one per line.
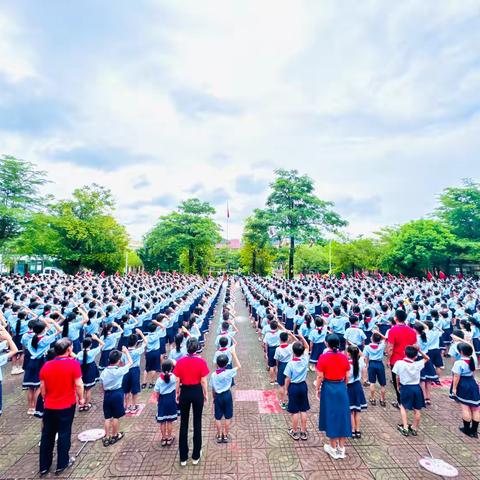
261 448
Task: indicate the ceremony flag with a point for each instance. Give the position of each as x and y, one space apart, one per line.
429 276
441 275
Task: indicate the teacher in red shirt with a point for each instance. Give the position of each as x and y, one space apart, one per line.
60 385
399 337
192 392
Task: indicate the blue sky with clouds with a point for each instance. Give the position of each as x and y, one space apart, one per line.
378 101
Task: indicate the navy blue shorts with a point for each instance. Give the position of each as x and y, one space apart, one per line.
298 398
171 334
131 381
113 406
411 397
152 361
223 405
376 372
271 356
280 373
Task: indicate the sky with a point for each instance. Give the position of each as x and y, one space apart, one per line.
377 101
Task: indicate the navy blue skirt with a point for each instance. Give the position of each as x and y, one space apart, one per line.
411 397
131 381
152 361
76 345
476 345
298 398
335 419
435 355
356 397
103 363
467 392
384 328
289 324
163 342
280 374
31 377
317 350
428 372
90 375
167 408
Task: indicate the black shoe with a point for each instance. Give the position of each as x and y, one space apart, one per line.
60 470
42 473
465 431
144 386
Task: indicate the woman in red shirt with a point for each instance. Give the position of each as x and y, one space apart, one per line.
191 372
332 376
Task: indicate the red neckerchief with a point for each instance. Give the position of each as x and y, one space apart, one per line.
222 349
353 326
296 359
368 319
273 331
219 370
284 345
374 345
408 360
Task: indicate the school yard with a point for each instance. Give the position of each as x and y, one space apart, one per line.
260 447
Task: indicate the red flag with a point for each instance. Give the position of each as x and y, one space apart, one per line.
441 275
102 275
379 276
357 275
343 276
401 276
363 275
429 276
117 274
460 276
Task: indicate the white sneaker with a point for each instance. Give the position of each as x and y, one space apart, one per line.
331 451
195 462
341 452
183 464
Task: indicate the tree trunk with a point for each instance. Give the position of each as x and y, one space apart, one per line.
291 258
254 261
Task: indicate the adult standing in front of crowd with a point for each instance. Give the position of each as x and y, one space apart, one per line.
192 392
60 385
399 337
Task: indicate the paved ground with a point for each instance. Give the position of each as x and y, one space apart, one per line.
260 449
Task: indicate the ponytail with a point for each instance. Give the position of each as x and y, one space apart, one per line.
84 360
18 326
354 355
167 367
65 328
35 341
423 336
471 364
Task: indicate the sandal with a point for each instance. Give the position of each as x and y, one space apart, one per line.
294 434
170 441
404 431
303 436
81 408
219 439
106 441
373 402
163 443
358 435
117 438
225 438
383 403
412 431
428 401
87 407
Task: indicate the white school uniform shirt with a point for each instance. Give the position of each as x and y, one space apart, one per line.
408 371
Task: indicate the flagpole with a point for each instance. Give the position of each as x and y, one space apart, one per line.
228 239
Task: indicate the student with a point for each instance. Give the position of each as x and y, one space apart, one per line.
354 388
427 374
179 351
283 354
373 354
464 390
131 381
152 353
109 339
407 373
90 373
166 404
272 341
296 387
221 384
4 357
355 335
317 338
113 400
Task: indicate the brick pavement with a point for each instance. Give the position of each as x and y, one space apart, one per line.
260 447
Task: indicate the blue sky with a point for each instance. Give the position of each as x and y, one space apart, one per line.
378 101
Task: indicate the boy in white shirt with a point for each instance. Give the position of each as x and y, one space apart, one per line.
408 382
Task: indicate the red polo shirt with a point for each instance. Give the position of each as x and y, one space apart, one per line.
59 376
400 336
191 369
334 366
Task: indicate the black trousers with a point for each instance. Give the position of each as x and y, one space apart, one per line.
191 396
56 421
395 386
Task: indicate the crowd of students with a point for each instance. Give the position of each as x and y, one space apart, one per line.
349 330
346 330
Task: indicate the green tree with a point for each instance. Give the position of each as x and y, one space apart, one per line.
460 209
20 183
297 213
187 236
356 255
311 258
225 259
417 246
256 243
79 232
